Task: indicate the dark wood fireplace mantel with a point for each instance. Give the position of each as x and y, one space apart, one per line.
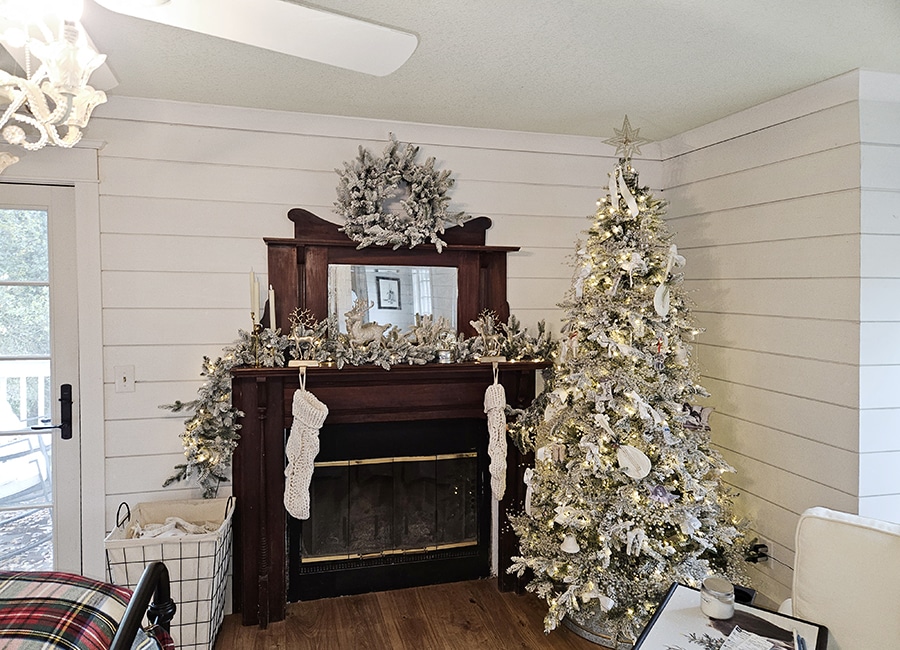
298 272
353 395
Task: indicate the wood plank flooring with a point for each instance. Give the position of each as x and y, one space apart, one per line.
456 616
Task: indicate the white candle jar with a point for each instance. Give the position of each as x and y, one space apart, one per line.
717 598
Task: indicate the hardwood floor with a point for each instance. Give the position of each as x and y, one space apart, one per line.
456 616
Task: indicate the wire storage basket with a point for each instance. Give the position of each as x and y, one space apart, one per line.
197 562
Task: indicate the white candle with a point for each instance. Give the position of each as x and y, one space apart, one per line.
254 297
271 308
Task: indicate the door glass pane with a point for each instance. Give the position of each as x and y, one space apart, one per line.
26 495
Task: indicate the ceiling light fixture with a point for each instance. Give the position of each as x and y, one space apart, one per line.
52 104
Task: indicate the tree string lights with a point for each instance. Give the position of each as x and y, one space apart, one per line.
626 495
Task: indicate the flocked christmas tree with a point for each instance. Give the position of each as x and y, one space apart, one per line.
626 495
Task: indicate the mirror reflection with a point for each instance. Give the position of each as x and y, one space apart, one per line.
396 293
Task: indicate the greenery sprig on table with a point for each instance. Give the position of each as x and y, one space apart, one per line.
211 435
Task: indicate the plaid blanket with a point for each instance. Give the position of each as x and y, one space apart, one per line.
42 610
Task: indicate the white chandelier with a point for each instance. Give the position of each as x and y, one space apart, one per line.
53 103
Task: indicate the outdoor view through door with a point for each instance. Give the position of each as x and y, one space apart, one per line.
29 395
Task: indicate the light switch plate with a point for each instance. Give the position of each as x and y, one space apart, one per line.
124 379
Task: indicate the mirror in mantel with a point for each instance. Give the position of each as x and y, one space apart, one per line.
396 293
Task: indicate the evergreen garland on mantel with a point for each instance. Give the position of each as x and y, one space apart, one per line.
211 434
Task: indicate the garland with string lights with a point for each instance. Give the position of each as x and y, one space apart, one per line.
211 435
626 495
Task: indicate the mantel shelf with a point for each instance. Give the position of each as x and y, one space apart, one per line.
312 241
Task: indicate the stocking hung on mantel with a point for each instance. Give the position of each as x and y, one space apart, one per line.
626 495
494 407
301 449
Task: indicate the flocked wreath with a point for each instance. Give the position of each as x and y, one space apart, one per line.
416 193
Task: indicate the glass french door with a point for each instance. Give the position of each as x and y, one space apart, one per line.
40 478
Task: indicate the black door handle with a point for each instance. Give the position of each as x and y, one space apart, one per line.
65 413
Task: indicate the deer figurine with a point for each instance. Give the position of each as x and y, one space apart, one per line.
362 333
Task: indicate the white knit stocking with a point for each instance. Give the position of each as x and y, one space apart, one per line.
301 449
494 405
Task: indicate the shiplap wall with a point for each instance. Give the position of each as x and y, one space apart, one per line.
879 373
766 204
187 193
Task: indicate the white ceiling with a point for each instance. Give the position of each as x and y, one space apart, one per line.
554 66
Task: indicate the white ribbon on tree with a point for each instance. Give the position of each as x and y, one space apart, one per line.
495 406
301 449
616 177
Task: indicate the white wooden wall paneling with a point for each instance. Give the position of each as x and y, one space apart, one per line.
880 326
144 437
213 219
835 256
796 493
795 337
829 128
879 430
171 327
354 129
312 153
130 253
796 450
835 170
160 362
880 507
878 166
878 299
879 210
773 255
530 232
144 403
830 382
878 386
879 255
878 473
791 297
827 423
819 215
879 122
178 290
832 92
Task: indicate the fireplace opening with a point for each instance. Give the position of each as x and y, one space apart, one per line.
393 505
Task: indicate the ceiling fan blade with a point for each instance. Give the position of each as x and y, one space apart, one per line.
283 27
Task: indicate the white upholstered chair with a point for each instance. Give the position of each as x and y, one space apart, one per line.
847 577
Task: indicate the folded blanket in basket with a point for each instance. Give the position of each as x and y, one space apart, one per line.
49 610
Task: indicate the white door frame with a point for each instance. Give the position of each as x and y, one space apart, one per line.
65 468
79 167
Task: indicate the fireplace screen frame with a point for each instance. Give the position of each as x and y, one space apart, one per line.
361 573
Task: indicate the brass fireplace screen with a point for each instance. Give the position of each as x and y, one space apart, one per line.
375 507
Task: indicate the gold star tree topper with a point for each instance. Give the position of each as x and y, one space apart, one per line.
626 142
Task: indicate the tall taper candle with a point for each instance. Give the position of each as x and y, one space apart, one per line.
254 297
272 325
